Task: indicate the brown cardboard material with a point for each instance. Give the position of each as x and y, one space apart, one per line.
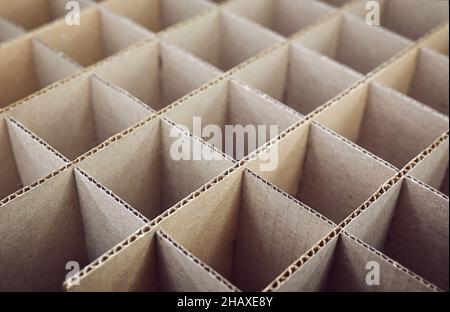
106 33
156 15
294 75
231 103
157 73
259 219
9 30
438 40
92 111
417 234
154 180
391 126
27 66
355 44
222 39
282 16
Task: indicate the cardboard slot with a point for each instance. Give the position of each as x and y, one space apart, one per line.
222 39
28 66
412 229
345 265
285 17
24 158
157 73
233 118
352 42
385 122
246 230
9 30
106 33
47 235
31 14
313 162
149 170
80 114
298 77
157 15
396 15
180 271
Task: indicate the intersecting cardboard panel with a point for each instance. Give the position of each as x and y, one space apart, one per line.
342 265
81 114
298 77
388 124
247 231
352 42
283 16
242 118
157 15
31 14
9 30
157 73
397 15
313 162
222 39
438 40
27 66
409 223
106 33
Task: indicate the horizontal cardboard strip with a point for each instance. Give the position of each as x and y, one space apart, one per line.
34 158
180 271
246 230
283 16
156 15
222 39
80 114
157 73
416 234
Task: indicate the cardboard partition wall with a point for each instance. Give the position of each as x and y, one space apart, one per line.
294 75
233 117
353 43
9 30
285 17
156 167
157 73
423 75
313 162
80 115
28 66
106 33
409 223
157 15
384 122
437 40
222 39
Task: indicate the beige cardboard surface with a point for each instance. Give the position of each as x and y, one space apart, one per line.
438 41
9 30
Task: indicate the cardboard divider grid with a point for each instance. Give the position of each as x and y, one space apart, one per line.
117 141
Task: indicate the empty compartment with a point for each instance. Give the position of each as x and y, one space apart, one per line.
283 16
105 32
397 15
39 258
233 117
298 77
409 223
352 42
336 3
345 264
384 122
222 39
31 14
157 73
28 66
421 74
80 114
157 15
9 30
246 230
24 158
438 40
155 167
323 170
